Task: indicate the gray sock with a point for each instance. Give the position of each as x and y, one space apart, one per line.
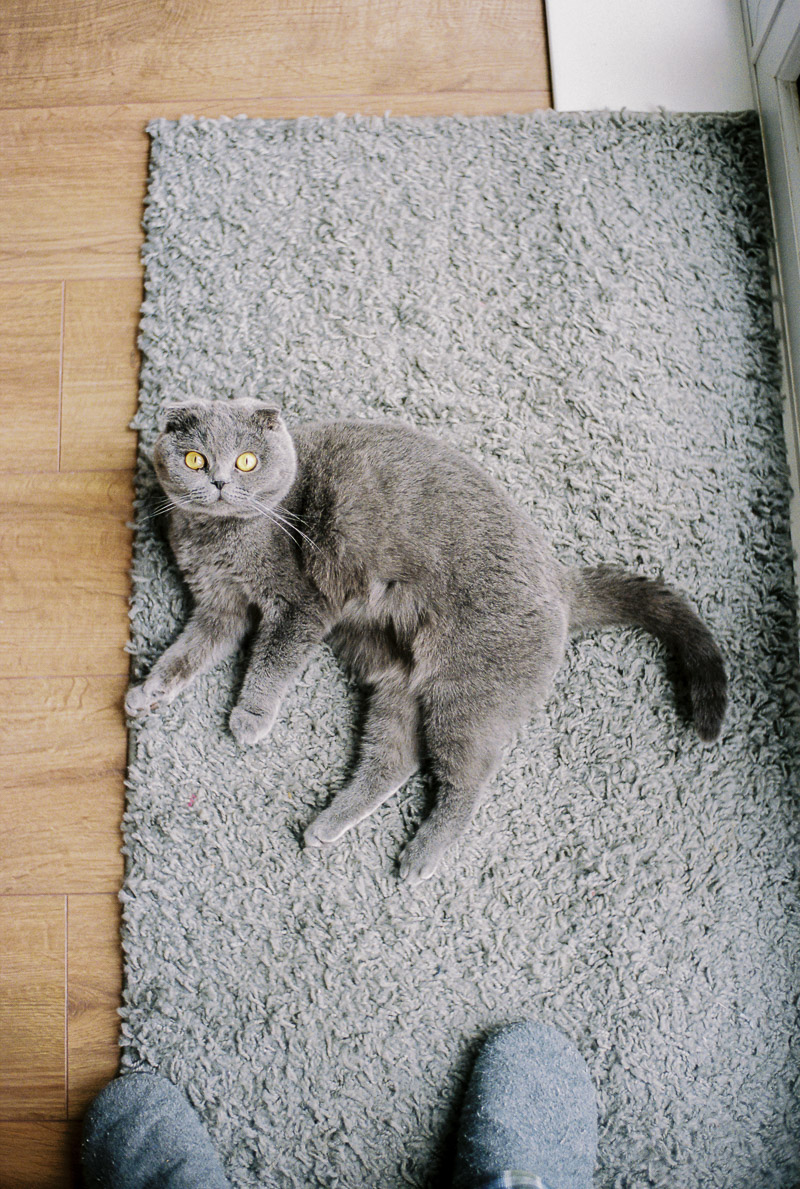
530 1107
141 1133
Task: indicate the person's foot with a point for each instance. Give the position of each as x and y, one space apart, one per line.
530 1109
141 1133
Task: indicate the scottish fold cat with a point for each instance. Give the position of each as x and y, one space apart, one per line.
425 578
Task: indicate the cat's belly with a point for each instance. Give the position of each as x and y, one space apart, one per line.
393 630
377 634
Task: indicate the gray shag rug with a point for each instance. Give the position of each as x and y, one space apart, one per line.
582 303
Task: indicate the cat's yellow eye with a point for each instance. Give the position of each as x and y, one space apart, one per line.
246 462
194 461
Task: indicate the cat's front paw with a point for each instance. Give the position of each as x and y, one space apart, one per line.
141 699
248 728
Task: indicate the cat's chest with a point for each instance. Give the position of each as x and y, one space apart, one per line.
215 562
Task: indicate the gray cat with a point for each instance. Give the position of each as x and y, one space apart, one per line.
421 573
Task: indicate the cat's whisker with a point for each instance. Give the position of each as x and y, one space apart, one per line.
282 517
277 523
276 516
294 516
167 506
278 520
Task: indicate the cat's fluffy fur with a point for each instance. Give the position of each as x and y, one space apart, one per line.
421 573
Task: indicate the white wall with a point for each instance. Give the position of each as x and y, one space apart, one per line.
683 55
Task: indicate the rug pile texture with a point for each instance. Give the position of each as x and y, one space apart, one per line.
582 304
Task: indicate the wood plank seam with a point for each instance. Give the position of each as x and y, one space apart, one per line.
41 676
66 1007
23 470
61 372
326 97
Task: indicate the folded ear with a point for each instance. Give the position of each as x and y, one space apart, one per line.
266 416
180 416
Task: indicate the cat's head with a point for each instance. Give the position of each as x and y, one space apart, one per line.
224 457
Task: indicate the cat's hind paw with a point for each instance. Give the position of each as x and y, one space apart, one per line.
248 728
314 837
324 829
418 862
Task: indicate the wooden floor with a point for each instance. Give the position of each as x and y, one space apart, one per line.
80 79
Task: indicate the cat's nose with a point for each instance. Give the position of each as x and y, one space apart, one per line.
220 483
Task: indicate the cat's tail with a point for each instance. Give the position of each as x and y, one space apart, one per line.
604 596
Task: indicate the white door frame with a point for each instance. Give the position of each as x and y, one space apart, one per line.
774 36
